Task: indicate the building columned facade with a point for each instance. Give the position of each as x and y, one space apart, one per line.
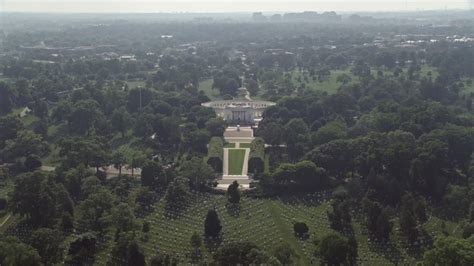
239 111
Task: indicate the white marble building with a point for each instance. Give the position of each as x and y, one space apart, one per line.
239 111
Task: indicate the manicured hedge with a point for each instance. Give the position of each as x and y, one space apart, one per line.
215 152
257 156
3 204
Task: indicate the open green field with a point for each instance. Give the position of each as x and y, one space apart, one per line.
426 70
206 87
330 85
263 222
244 145
229 145
236 161
267 223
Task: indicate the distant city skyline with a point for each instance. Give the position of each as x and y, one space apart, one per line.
125 6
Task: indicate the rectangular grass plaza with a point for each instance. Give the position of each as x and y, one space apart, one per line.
236 161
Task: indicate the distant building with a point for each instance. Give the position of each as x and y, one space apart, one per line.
275 18
259 17
313 16
240 112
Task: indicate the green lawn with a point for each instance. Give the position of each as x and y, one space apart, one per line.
244 145
206 87
330 85
236 161
426 69
266 223
229 145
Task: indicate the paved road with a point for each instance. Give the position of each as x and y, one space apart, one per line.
245 169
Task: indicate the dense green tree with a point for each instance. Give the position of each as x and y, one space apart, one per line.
383 225
127 251
177 194
428 169
121 120
197 171
6 98
334 249
304 175
32 163
90 151
163 259
82 249
26 143
34 197
408 219
96 210
10 125
136 160
285 254
138 98
331 131
450 251
340 217
48 243
212 224
123 218
216 126
457 200
300 229
14 252
67 223
118 159
235 253
196 242
344 79
271 133
84 117
151 173
233 193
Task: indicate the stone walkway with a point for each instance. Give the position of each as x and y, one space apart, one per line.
5 220
225 167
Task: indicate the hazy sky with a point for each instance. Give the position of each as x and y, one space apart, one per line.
226 5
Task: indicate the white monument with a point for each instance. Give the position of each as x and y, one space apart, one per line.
239 111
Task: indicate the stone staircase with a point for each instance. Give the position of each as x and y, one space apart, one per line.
226 180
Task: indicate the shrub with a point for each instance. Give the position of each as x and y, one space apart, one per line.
3 203
257 156
215 153
301 229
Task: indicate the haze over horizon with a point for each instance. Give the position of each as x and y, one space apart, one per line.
210 6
